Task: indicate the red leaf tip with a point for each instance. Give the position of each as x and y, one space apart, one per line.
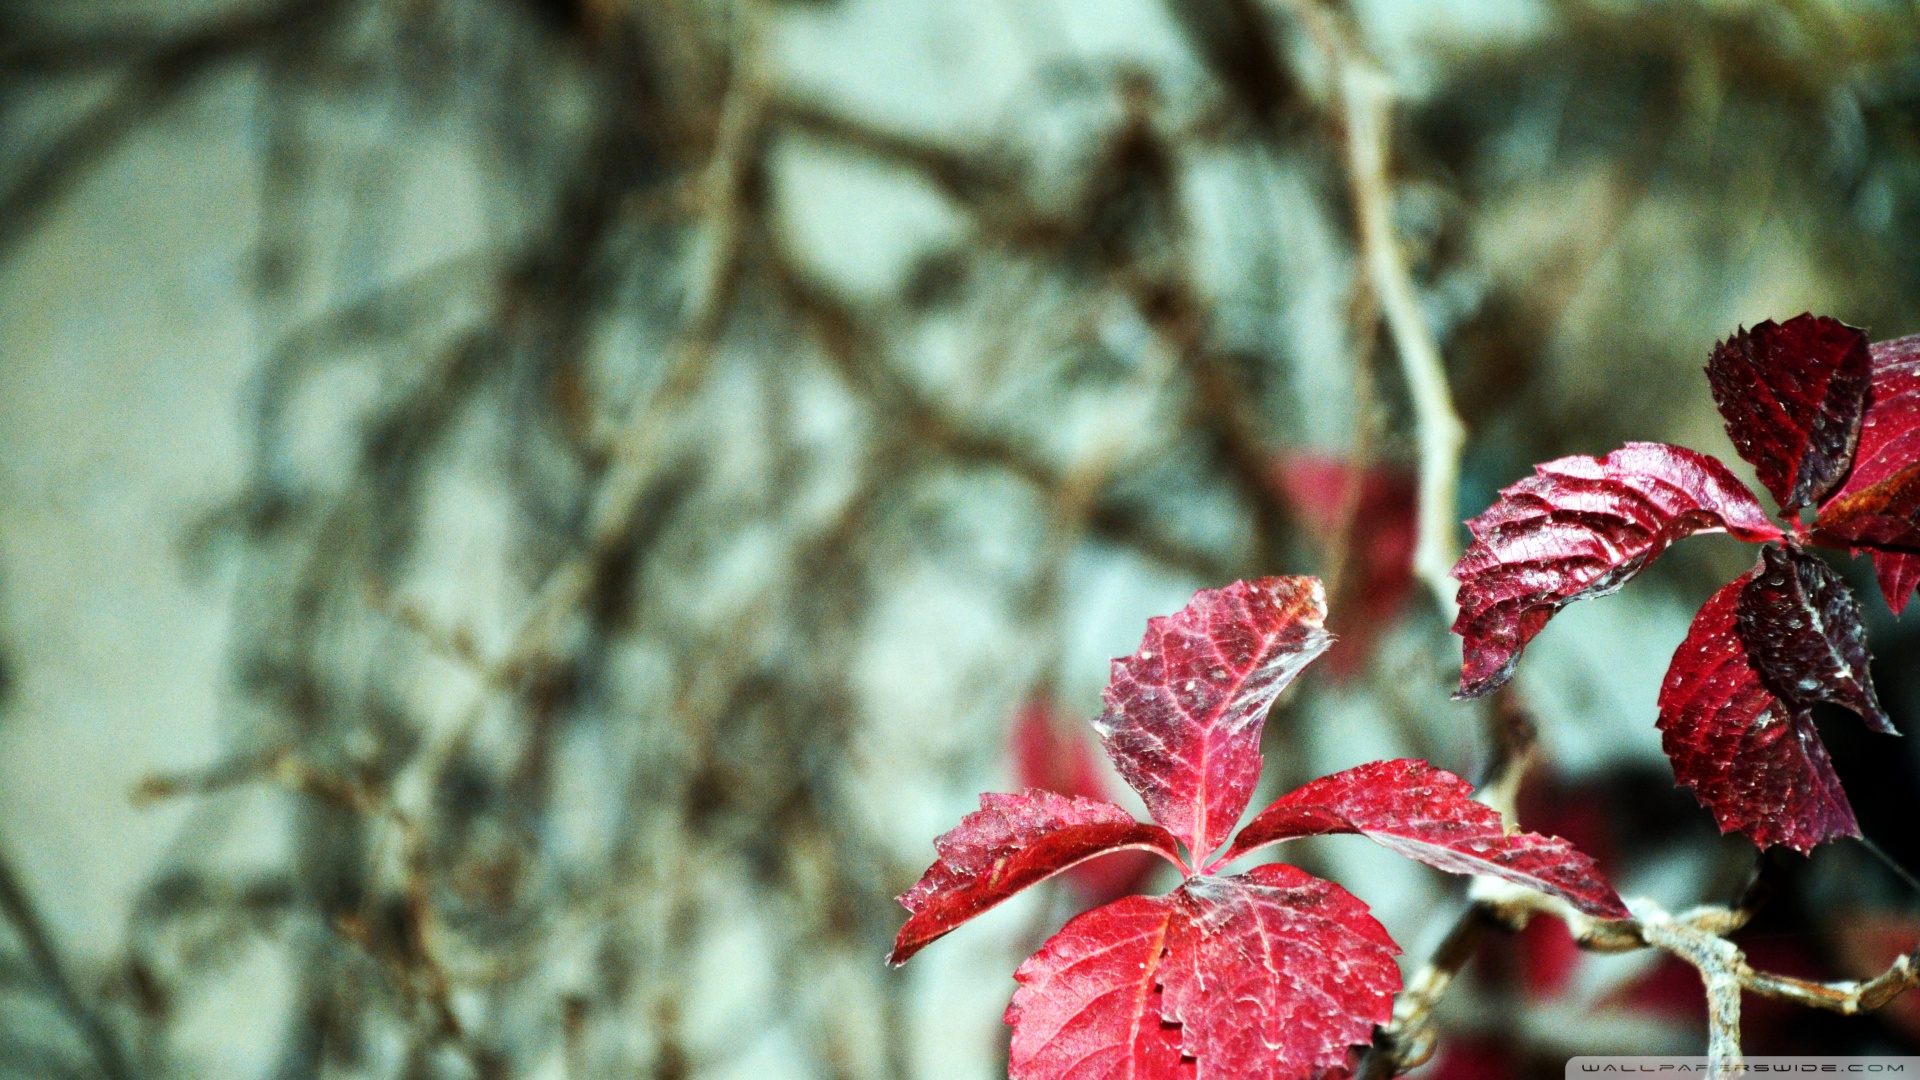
1184 713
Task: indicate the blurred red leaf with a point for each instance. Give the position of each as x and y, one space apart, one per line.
1793 396
1582 528
1804 636
1185 712
1753 760
1429 815
1549 956
1371 517
1466 1058
1868 943
1010 843
1088 1005
1053 757
1671 988
1276 974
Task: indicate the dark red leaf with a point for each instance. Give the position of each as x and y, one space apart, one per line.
1051 756
1883 517
1803 634
1753 760
1011 842
1088 1004
1429 815
1369 517
1275 975
1889 442
1578 529
1184 714
1793 396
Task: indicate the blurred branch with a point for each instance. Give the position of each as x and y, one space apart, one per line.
160 73
58 984
729 198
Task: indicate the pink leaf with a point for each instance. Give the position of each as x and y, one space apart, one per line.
1011 842
1803 634
1049 756
1088 1006
1275 975
1889 442
1429 815
1184 714
1793 396
1578 529
1753 760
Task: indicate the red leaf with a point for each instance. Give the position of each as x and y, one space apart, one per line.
1753 760
1793 396
1885 516
1429 815
1088 1004
1047 756
1578 529
1802 631
1899 576
1184 714
1011 842
1890 442
1371 517
1275 974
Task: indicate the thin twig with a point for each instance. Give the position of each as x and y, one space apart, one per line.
1441 434
726 193
1365 98
1699 937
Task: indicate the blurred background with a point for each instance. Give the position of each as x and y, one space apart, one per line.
520 520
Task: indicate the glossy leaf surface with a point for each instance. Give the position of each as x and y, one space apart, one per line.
1803 634
1579 528
1184 713
1429 815
1883 517
1275 975
1088 1006
1011 842
1793 395
1889 443
1753 760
